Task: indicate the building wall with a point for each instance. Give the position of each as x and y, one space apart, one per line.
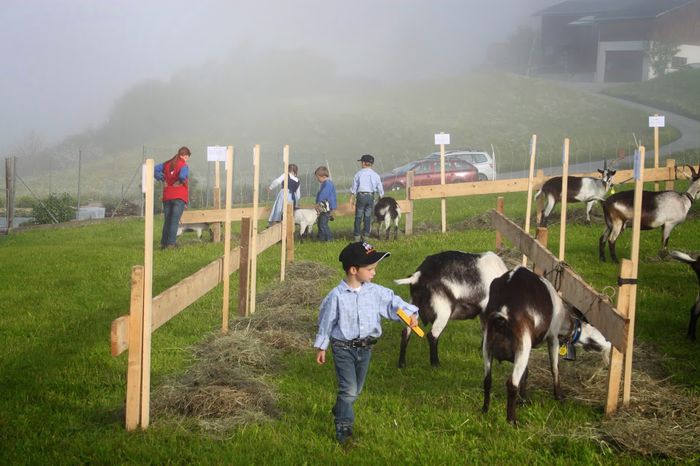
681 25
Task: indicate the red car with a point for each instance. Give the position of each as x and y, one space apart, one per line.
427 172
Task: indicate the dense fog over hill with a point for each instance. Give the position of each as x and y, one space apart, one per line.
70 66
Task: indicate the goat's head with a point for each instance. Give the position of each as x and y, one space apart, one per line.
694 175
323 207
607 175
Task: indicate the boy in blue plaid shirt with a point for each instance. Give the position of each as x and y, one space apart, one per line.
349 322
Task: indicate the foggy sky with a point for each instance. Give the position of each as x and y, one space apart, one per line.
65 62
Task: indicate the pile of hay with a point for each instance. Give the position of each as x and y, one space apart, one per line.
661 420
227 384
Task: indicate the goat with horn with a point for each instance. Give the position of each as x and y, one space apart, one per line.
580 189
659 209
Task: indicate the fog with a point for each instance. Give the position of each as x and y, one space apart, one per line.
67 62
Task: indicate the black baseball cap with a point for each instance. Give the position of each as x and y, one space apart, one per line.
366 158
360 254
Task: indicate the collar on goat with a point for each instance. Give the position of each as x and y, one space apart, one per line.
576 332
692 199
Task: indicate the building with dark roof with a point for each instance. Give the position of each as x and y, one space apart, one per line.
608 40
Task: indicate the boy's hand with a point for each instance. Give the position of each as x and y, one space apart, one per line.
414 321
321 356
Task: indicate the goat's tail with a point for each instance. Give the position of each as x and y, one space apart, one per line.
412 280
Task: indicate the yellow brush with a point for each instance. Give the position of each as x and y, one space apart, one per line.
407 320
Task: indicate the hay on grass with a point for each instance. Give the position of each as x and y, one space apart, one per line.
662 419
226 386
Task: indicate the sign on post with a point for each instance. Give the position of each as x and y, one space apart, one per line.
441 139
657 121
216 153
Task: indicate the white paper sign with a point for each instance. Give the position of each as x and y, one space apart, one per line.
216 153
442 138
637 165
657 121
143 178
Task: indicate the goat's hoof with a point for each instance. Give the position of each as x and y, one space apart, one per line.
484 409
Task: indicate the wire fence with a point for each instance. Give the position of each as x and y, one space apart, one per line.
94 180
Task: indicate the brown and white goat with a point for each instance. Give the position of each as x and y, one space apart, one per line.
695 308
523 311
450 285
387 211
579 189
659 209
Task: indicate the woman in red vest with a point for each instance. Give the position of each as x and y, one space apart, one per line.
174 174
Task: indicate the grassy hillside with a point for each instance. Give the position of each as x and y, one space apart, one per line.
63 394
677 92
327 119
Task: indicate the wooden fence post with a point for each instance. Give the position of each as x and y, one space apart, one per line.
541 236
227 241
409 215
672 175
244 267
616 356
216 226
290 234
147 299
499 208
134 370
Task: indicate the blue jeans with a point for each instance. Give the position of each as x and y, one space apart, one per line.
172 212
324 231
363 211
351 365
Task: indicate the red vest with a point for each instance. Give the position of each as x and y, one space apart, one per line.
171 171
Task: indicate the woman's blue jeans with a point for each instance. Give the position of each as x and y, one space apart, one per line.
351 365
172 212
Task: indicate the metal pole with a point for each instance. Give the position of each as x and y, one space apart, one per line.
80 161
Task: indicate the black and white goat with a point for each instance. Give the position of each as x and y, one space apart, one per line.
659 209
579 189
695 308
387 210
450 285
306 218
523 311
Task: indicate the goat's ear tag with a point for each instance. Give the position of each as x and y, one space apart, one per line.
562 350
612 190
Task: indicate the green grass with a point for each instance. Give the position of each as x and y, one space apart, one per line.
63 394
677 92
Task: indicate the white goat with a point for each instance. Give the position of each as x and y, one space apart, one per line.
523 311
450 285
387 210
579 189
659 209
695 308
198 228
306 218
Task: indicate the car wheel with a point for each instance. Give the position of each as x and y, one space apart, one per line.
482 177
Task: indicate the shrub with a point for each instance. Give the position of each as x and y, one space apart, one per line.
54 208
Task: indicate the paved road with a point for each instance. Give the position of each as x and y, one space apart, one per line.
689 128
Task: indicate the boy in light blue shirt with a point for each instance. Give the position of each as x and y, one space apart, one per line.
349 322
365 183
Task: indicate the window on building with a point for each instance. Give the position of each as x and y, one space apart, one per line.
678 62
